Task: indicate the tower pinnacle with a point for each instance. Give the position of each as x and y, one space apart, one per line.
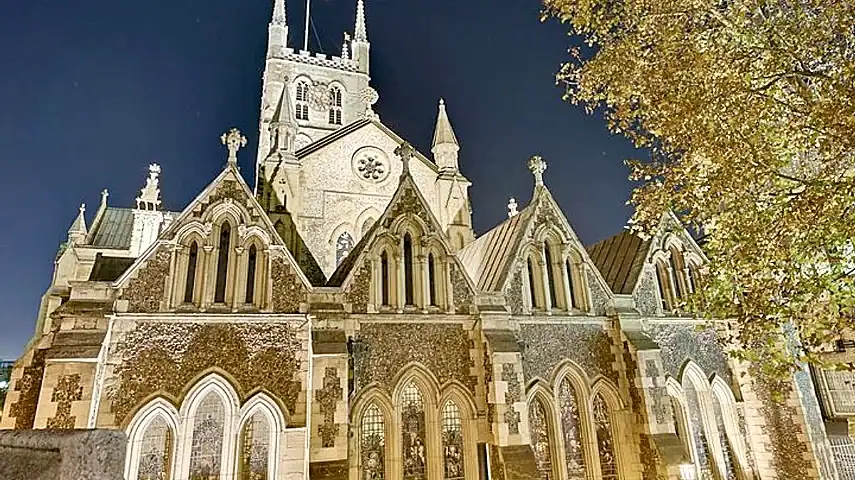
360 33
279 13
77 231
445 146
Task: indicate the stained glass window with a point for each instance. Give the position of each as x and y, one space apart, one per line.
155 460
452 442
207 446
703 456
414 435
255 448
343 246
540 445
571 430
605 439
726 446
373 448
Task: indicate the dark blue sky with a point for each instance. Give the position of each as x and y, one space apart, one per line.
92 92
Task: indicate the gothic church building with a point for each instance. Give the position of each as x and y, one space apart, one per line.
338 318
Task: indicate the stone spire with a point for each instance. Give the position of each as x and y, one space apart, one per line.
77 231
149 198
445 147
512 208
283 128
279 13
360 32
537 166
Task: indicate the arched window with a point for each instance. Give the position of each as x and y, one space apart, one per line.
384 278
675 261
431 281
155 457
223 263
550 277
255 448
252 260
726 445
540 443
373 444
703 456
573 301
302 101
206 451
408 270
664 286
190 282
452 442
343 246
335 106
571 430
366 226
605 438
693 278
680 423
414 434
535 303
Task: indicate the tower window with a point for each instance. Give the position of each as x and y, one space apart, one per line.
222 263
408 270
335 106
250 274
302 101
190 282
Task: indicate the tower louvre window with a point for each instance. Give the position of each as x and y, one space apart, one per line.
190 282
250 274
222 263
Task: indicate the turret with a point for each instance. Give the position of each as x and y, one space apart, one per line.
147 215
453 188
360 43
77 231
445 146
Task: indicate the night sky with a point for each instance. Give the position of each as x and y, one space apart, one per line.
92 92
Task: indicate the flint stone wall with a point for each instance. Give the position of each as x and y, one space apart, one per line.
62 455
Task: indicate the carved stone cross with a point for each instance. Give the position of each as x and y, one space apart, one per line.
537 166
234 141
406 152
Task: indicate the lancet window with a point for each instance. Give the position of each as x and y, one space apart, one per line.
414 434
571 429
574 297
452 442
677 266
302 101
541 445
605 439
664 283
155 457
410 274
222 263
255 448
207 445
550 276
385 279
252 260
190 282
335 106
703 455
431 280
726 445
409 289
373 444
532 285
343 247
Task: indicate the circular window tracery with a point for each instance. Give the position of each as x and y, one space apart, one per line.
371 164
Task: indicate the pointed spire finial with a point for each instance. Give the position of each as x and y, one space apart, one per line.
149 198
77 231
406 152
279 13
234 141
360 33
537 166
443 132
512 207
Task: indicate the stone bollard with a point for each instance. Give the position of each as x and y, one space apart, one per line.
62 454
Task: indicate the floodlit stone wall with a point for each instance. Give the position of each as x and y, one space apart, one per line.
65 455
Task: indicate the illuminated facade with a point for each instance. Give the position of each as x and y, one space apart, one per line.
339 319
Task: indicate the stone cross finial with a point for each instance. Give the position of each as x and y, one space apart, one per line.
234 141
537 166
512 207
406 152
82 208
104 194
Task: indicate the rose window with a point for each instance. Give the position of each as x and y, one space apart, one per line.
370 164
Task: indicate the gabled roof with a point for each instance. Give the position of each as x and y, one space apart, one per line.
620 259
488 258
353 127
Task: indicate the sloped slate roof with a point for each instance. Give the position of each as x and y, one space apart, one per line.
620 259
487 259
114 229
108 269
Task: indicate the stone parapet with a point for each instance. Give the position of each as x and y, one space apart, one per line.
62 455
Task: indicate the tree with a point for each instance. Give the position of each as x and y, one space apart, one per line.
748 110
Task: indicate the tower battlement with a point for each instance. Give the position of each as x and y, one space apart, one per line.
313 58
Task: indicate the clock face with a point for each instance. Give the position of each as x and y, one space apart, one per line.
371 164
319 96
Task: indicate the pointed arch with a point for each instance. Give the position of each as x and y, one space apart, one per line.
227 211
542 432
152 441
260 426
727 423
208 436
695 392
372 417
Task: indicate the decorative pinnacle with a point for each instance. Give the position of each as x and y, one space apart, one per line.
512 207
443 133
345 47
78 228
234 141
406 152
537 166
360 33
279 13
149 198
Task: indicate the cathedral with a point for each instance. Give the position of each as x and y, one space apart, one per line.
336 317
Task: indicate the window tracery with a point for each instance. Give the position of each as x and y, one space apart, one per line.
255 448
540 442
373 444
605 438
335 106
414 434
571 429
302 101
207 443
155 457
343 247
452 442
